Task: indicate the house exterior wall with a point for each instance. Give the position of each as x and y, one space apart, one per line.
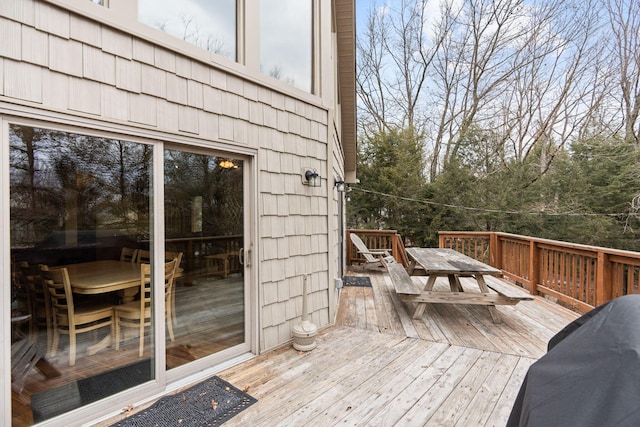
76 63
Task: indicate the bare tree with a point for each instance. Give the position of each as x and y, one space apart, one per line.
530 73
520 70
624 21
394 56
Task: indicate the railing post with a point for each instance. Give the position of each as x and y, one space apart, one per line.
349 247
495 251
394 246
603 291
534 267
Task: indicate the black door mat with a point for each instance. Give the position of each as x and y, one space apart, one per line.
58 400
356 281
209 403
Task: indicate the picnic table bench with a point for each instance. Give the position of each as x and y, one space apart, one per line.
454 265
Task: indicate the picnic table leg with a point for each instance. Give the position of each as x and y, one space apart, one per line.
421 306
430 282
412 266
493 311
454 283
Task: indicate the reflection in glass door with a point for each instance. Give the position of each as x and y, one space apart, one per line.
79 205
204 211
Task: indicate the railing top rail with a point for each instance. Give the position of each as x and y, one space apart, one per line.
373 232
548 242
465 233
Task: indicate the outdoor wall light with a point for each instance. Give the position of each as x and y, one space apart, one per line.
311 178
339 184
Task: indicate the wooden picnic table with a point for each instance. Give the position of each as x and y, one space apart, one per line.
437 262
447 262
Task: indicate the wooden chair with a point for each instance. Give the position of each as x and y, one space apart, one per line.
168 256
68 318
128 255
137 314
143 256
373 258
38 302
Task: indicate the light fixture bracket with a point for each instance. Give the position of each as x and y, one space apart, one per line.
311 177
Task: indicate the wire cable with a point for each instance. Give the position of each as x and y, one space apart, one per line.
426 202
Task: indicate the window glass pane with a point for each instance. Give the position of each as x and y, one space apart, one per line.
286 29
77 202
208 24
204 222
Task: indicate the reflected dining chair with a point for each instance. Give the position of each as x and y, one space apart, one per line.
38 302
143 256
137 314
69 319
128 255
168 256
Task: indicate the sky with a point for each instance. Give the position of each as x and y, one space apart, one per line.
363 7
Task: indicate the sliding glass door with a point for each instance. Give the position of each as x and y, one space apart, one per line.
86 265
204 222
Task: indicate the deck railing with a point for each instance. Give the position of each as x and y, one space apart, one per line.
579 276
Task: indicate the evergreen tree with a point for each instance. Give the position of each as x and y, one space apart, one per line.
391 172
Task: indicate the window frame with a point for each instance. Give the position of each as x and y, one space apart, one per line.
121 15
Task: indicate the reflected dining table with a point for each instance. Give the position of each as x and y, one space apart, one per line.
99 277
104 276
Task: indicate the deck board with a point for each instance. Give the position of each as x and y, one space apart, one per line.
454 366
378 367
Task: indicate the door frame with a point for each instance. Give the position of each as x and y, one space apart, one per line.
165 381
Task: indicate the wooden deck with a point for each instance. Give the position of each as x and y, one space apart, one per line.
379 367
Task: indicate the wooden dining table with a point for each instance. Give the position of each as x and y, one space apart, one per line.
99 277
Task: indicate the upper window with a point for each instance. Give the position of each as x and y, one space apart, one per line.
208 24
286 28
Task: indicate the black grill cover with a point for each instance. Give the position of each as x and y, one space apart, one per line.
591 374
